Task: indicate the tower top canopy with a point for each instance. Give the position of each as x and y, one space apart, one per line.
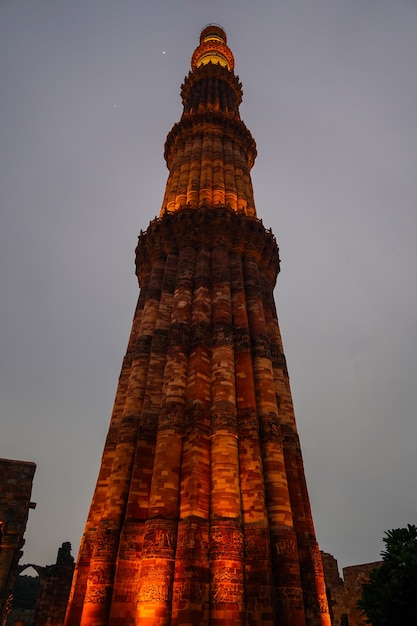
213 32
213 48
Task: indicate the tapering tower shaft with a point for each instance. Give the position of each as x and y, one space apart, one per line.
201 513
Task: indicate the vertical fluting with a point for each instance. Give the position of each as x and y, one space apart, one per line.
219 196
229 177
206 173
311 570
78 590
258 570
102 568
157 569
132 536
290 608
174 179
226 537
247 184
238 172
184 176
201 512
191 583
195 167
210 151
209 170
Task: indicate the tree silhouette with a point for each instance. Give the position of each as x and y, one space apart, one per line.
390 596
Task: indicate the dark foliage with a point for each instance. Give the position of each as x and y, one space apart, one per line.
390 596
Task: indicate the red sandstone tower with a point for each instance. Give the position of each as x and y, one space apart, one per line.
201 513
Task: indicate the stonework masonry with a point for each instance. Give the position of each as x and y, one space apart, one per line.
201 514
54 588
16 479
343 594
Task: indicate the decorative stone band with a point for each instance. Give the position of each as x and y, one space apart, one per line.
214 71
208 50
290 438
208 227
226 539
215 124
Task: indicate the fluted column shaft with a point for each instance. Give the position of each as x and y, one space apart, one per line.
102 567
258 567
290 606
311 568
191 582
201 513
209 169
157 568
130 548
76 600
226 536
205 517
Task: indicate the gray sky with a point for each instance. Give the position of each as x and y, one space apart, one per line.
88 92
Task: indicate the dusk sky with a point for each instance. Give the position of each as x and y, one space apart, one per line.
89 90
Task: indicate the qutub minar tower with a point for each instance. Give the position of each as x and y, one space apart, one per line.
201 513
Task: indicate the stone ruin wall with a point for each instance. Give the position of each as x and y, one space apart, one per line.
343 594
16 479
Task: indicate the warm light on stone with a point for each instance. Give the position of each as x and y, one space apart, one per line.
201 513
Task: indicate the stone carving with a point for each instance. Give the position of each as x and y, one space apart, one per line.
226 593
226 586
179 336
127 582
247 423
125 595
193 536
226 538
148 421
189 589
127 572
159 342
155 584
260 347
270 430
86 549
153 592
316 558
256 543
130 546
106 544
143 345
100 575
222 336
262 595
99 584
218 226
198 417
289 599
200 334
171 418
223 420
98 595
286 547
160 538
241 339
290 438
128 429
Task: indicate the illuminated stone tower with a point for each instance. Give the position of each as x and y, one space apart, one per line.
201 514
